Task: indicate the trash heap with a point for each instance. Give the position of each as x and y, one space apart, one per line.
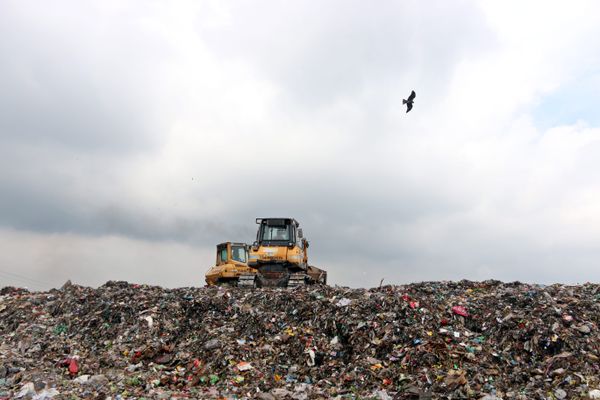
430 340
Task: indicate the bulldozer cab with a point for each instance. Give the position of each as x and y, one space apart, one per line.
277 232
231 265
232 252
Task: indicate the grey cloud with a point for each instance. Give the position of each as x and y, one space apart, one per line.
93 105
320 52
63 84
69 91
27 210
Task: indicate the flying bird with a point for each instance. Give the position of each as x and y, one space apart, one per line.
409 101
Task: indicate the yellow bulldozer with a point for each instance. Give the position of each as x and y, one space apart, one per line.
278 258
232 262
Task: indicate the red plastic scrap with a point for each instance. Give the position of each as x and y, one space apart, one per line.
136 356
460 310
73 367
71 364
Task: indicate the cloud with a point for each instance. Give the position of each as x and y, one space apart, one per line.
40 261
169 129
69 81
320 54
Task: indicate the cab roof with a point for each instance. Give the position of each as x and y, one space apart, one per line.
279 221
232 243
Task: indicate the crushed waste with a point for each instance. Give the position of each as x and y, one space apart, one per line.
453 340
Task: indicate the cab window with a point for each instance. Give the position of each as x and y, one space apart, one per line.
223 255
276 233
238 253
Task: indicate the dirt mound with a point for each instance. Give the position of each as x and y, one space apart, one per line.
421 341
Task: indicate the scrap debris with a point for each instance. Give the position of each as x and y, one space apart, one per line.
476 340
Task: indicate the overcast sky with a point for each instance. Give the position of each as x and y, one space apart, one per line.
136 135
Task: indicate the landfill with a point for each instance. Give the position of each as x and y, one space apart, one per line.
431 340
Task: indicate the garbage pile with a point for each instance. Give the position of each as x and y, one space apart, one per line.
454 340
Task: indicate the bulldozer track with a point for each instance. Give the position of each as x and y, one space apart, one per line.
246 281
296 280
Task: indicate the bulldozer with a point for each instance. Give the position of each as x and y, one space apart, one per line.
279 257
232 262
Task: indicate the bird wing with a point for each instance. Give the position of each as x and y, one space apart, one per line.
408 107
412 96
